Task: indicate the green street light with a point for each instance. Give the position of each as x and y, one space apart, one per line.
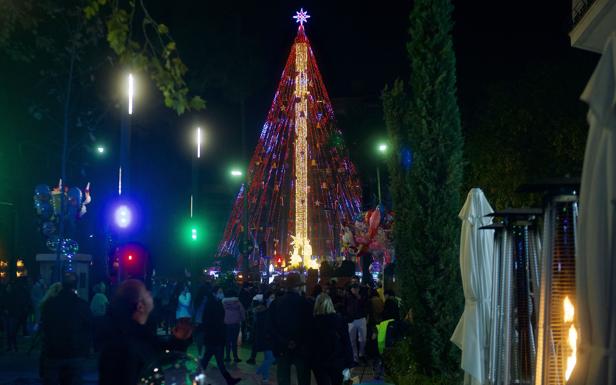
100 149
382 148
193 233
236 173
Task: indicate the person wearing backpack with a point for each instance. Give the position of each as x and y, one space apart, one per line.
331 353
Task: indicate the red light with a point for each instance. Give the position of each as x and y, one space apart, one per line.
130 257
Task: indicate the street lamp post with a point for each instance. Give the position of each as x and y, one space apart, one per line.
245 248
125 139
194 195
122 215
382 149
195 170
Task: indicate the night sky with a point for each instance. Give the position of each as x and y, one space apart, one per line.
238 48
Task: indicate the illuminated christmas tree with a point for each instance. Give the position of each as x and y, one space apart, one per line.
302 185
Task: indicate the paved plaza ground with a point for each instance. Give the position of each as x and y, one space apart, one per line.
21 368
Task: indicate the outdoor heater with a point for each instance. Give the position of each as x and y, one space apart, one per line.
512 342
557 333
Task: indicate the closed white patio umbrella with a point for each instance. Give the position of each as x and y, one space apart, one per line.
472 333
596 253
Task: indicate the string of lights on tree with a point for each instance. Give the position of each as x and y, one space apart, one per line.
303 186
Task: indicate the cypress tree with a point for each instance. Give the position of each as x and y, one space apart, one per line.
424 123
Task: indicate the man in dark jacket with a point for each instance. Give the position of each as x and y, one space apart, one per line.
290 319
214 333
66 326
129 345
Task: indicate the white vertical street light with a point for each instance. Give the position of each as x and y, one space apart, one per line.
120 181
198 142
131 93
195 170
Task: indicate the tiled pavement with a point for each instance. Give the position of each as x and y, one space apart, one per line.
21 368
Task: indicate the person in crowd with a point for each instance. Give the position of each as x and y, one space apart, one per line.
332 291
389 332
36 296
316 290
22 296
235 314
184 307
356 311
99 302
339 300
330 347
381 291
11 310
53 290
251 319
375 313
200 302
98 307
129 345
214 331
245 296
167 303
262 340
375 308
290 320
391 309
66 324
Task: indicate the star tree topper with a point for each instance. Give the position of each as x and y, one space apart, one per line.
301 17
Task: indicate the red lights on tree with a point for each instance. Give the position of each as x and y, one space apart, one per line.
279 261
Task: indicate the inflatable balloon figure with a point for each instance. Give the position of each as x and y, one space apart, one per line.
51 213
174 368
370 234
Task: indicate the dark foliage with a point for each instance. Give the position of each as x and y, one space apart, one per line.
425 121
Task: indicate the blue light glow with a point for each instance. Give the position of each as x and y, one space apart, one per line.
123 216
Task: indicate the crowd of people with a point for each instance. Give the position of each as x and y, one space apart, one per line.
324 333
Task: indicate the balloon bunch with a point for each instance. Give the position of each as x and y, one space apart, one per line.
68 247
48 206
370 232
